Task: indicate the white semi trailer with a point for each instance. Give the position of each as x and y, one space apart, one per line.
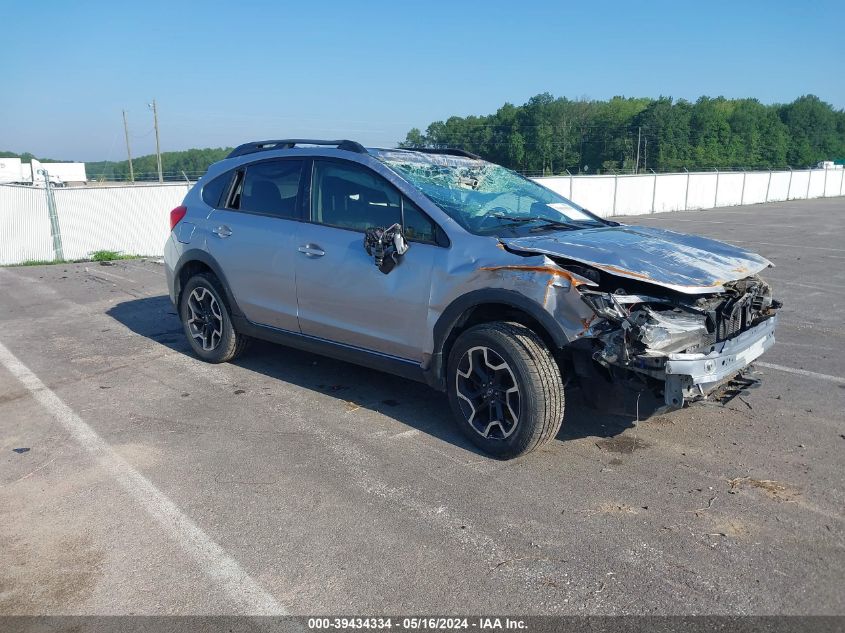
13 171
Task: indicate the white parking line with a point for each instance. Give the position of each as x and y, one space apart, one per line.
401 434
815 248
246 595
108 274
801 372
816 286
730 222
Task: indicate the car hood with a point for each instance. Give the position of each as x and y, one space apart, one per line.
681 262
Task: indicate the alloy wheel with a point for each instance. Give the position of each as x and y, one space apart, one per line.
205 321
488 393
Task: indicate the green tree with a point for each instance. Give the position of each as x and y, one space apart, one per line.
414 138
813 129
551 135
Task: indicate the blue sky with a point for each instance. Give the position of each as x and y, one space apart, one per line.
227 72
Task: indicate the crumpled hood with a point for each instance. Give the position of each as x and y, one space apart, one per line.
686 263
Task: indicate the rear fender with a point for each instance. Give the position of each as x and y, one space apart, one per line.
197 255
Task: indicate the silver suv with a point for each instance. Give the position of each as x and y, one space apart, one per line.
441 267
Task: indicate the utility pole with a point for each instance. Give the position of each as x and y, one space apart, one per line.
639 133
128 151
158 148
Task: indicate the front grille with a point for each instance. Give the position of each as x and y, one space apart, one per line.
733 316
730 325
744 305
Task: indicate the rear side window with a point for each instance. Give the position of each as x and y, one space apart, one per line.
213 191
269 188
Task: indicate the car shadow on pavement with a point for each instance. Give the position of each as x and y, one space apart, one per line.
411 403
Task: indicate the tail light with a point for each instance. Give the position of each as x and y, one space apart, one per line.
176 216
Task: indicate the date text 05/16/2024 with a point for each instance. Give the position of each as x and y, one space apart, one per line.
417 623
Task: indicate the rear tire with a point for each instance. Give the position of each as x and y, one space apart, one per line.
505 389
207 320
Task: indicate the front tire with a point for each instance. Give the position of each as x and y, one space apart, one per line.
505 389
207 320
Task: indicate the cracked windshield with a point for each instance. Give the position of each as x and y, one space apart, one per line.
485 198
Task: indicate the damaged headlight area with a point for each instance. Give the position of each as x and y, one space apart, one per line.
669 330
653 336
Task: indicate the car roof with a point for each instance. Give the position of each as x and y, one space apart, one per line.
254 147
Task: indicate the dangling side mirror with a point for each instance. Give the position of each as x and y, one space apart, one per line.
385 246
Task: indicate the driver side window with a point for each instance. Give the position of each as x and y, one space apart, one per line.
348 196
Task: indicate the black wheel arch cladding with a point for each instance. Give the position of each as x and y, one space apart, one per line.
194 256
461 308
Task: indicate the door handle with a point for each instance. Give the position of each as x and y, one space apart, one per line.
311 250
222 231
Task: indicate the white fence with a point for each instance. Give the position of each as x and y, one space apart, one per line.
131 219
652 193
136 219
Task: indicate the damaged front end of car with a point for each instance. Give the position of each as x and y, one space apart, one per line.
686 347
681 315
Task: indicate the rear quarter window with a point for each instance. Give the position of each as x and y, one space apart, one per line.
213 191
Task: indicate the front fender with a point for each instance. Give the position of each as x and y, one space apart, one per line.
460 307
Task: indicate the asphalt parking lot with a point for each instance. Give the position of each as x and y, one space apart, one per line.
287 482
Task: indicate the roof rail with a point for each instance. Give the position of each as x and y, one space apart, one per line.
288 143
451 151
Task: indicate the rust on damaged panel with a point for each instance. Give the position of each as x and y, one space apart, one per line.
558 272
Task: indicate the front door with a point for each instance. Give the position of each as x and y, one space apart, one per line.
343 296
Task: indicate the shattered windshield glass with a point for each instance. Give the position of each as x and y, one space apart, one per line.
486 198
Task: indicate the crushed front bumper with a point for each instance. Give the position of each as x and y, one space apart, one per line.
693 376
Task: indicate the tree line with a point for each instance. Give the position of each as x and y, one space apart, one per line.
26 157
549 135
192 163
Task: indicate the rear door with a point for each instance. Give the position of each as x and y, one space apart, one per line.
253 236
343 297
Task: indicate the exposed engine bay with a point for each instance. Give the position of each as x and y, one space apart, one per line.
657 326
681 345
